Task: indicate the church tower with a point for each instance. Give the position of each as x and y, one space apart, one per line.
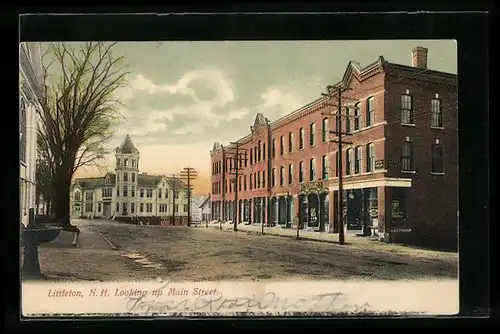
127 170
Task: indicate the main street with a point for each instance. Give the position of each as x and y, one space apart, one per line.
109 250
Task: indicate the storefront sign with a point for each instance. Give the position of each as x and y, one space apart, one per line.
379 164
401 230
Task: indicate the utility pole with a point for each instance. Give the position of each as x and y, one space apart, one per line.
188 174
235 154
174 180
335 92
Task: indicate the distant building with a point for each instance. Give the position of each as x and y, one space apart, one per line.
31 77
206 209
128 194
196 215
399 168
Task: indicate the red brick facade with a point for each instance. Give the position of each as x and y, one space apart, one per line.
391 184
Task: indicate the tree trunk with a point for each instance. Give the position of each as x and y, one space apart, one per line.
62 203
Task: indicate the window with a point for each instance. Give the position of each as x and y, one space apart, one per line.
185 208
118 177
348 159
159 193
370 158
337 165
88 207
133 177
176 194
107 192
149 193
301 172
125 177
118 162
125 191
126 162
436 112
244 182
251 183
258 184
125 208
357 116
117 191
357 161
282 145
133 165
437 158
132 205
312 134
263 152
255 160
324 167
273 177
163 208
133 191
325 130
263 179
141 192
301 139
239 183
348 120
370 111
117 207
22 131
99 207
312 170
290 142
89 196
290 173
176 208
406 109
407 156
259 152
149 207
251 157
77 196
282 175
273 149
141 207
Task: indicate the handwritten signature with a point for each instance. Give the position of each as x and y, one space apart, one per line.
270 301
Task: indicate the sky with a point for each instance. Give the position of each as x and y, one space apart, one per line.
182 97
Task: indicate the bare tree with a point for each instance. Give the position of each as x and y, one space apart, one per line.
78 112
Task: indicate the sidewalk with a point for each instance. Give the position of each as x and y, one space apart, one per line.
362 243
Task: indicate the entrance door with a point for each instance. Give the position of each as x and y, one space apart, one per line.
106 210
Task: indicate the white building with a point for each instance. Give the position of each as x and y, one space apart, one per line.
206 208
196 215
31 77
129 193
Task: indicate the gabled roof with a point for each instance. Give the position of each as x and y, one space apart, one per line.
205 201
145 180
127 146
94 182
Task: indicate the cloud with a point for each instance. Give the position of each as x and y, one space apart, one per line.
190 117
279 102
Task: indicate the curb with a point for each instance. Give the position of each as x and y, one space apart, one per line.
108 241
284 236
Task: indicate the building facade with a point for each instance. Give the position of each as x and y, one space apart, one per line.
206 209
128 194
399 167
31 81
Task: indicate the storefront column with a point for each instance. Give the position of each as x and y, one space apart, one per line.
384 212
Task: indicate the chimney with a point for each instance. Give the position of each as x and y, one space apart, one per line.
419 57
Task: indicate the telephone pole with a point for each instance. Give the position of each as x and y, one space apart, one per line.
335 92
174 180
235 154
188 174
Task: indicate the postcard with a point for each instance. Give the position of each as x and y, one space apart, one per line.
231 178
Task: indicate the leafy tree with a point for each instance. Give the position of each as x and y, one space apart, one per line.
79 111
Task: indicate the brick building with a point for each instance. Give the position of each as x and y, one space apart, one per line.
399 169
